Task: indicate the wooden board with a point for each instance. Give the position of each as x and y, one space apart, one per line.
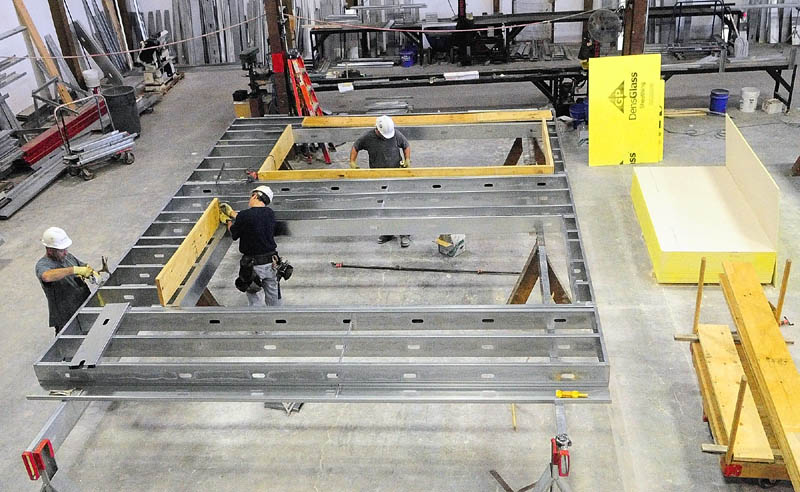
430 119
776 378
49 64
278 153
111 10
667 200
170 278
411 172
209 26
754 181
724 372
546 149
710 409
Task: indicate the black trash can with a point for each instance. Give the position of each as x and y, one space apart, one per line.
121 102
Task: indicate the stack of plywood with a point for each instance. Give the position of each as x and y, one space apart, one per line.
723 213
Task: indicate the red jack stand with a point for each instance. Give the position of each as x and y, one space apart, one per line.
552 479
41 463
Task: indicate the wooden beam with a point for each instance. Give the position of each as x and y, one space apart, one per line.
776 378
782 295
635 27
170 278
410 172
557 290
548 151
207 299
700 282
113 14
49 64
273 20
527 278
278 154
430 119
692 337
65 39
737 420
514 153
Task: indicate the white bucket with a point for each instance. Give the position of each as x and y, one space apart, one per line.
92 78
749 101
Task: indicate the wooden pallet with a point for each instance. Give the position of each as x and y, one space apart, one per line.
165 87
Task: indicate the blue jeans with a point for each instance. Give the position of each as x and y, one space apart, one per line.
269 293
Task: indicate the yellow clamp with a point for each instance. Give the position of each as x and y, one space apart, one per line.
571 394
443 243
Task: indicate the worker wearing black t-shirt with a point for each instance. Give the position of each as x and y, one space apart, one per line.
255 230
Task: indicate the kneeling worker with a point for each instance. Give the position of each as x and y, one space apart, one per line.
383 145
62 277
255 230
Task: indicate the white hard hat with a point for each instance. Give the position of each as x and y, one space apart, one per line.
55 237
265 190
385 126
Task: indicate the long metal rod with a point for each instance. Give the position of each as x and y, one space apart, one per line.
400 268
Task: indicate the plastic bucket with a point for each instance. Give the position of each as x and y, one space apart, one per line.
719 100
407 57
579 112
749 101
121 102
92 78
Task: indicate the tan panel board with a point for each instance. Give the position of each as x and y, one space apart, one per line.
675 195
170 277
753 179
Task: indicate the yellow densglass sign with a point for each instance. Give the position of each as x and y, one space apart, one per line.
626 110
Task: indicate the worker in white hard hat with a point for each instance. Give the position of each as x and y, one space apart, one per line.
62 277
387 148
260 266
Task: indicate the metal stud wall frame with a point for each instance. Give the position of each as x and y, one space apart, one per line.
122 345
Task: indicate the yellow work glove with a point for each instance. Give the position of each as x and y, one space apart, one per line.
406 163
83 271
353 165
226 209
223 217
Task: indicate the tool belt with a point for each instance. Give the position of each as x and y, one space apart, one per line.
262 259
248 281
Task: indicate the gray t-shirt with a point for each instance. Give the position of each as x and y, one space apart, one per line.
383 152
64 296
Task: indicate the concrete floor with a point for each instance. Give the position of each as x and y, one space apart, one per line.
648 439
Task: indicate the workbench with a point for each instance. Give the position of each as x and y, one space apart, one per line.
547 76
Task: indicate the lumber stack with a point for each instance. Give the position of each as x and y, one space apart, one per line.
748 382
9 151
775 376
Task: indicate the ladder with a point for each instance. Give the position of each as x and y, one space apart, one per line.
305 99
